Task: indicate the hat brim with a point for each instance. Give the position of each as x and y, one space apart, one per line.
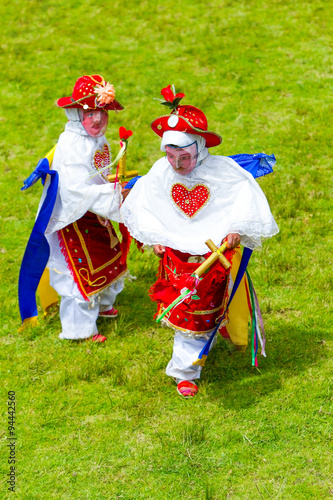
160 125
66 102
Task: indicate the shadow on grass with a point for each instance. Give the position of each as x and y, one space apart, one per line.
231 377
136 311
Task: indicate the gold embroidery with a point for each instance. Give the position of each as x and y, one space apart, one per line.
92 283
205 312
78 276
107 284
177 327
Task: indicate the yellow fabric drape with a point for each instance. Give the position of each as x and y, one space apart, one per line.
48 296
237 327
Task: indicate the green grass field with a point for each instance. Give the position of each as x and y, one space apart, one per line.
100 422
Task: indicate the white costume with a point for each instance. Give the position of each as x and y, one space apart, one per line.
181 212
232 202
76 156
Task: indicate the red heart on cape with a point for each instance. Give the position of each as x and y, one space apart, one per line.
190 201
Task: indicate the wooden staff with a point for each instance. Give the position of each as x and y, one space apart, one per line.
122 174
217 254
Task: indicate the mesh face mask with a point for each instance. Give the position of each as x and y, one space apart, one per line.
183 160
94 121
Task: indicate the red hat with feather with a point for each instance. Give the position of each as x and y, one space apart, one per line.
183 119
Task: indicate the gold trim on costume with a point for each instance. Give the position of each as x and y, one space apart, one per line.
210 311
92 283
186 330
108 284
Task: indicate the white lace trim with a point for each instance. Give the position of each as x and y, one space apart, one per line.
252 235
236 205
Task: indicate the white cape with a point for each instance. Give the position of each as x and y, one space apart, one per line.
236 204
74 160
77 155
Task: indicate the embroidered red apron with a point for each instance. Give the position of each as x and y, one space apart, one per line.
93 253
202 311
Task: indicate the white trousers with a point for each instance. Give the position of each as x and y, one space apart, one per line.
78 316
185 352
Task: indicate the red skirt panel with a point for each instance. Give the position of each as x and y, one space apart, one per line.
93 253
202 311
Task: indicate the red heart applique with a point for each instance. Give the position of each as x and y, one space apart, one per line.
190 201
102 158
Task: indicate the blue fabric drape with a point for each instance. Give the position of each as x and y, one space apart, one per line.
37 251
257 164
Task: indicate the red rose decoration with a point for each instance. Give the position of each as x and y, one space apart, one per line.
172 100
169 95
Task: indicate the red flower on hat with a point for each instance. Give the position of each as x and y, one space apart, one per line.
105 93
169 95
124 134
172 99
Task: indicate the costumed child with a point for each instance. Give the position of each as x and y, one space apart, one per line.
187 198
87 261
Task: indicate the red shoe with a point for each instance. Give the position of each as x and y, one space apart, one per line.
111 313
98 338
187 388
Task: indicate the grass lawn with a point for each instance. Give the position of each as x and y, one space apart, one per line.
100 422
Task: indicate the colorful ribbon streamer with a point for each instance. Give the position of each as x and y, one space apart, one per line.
258 336
242 268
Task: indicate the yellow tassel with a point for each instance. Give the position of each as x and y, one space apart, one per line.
28 323
200 362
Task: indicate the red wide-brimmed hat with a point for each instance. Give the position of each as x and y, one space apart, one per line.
184 118
91 92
